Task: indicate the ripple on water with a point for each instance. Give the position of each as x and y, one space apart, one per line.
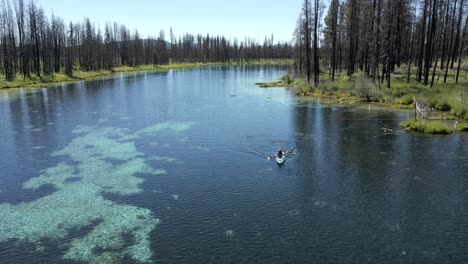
39 147
200 148
320 204
229 233
294 212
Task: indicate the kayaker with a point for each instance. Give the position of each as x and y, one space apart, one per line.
279 154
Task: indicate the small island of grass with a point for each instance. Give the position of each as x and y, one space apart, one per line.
286 81
430 127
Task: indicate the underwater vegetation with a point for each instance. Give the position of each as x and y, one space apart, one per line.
80 182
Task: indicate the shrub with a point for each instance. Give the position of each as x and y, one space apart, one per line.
304 89
443 106
287 78
462 126
327 87
365 88
406 100
460 111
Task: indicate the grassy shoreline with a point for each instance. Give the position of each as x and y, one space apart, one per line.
448 100
45 81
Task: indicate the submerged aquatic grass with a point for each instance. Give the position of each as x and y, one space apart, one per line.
165 127
78 198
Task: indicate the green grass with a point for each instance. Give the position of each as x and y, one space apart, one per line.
43 81
462 126
82 75
432 127
271 84
446 98
449 97
406 100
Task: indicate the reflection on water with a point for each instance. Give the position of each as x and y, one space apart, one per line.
172 168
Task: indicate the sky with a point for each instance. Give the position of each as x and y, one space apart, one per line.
231 18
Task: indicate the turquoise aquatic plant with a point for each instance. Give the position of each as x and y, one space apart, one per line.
78 197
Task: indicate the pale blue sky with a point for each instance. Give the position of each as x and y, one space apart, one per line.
239 18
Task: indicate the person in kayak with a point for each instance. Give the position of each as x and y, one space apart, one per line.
280 154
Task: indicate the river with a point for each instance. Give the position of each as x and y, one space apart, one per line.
172 168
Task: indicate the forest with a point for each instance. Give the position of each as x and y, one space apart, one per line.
33 44
424 39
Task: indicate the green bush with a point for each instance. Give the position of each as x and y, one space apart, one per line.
287 78
327 87
462 125
366 89
431 127
460 111
406 100
443 106
304 89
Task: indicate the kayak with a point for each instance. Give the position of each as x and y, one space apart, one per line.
280 160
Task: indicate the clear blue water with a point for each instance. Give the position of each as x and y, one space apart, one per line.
172 168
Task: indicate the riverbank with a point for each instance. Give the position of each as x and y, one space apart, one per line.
44 81
448 100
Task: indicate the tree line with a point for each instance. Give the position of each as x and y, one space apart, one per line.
31 43
427 37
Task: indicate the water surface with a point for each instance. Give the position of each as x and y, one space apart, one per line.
171 168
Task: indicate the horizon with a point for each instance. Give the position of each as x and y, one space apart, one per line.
241 19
